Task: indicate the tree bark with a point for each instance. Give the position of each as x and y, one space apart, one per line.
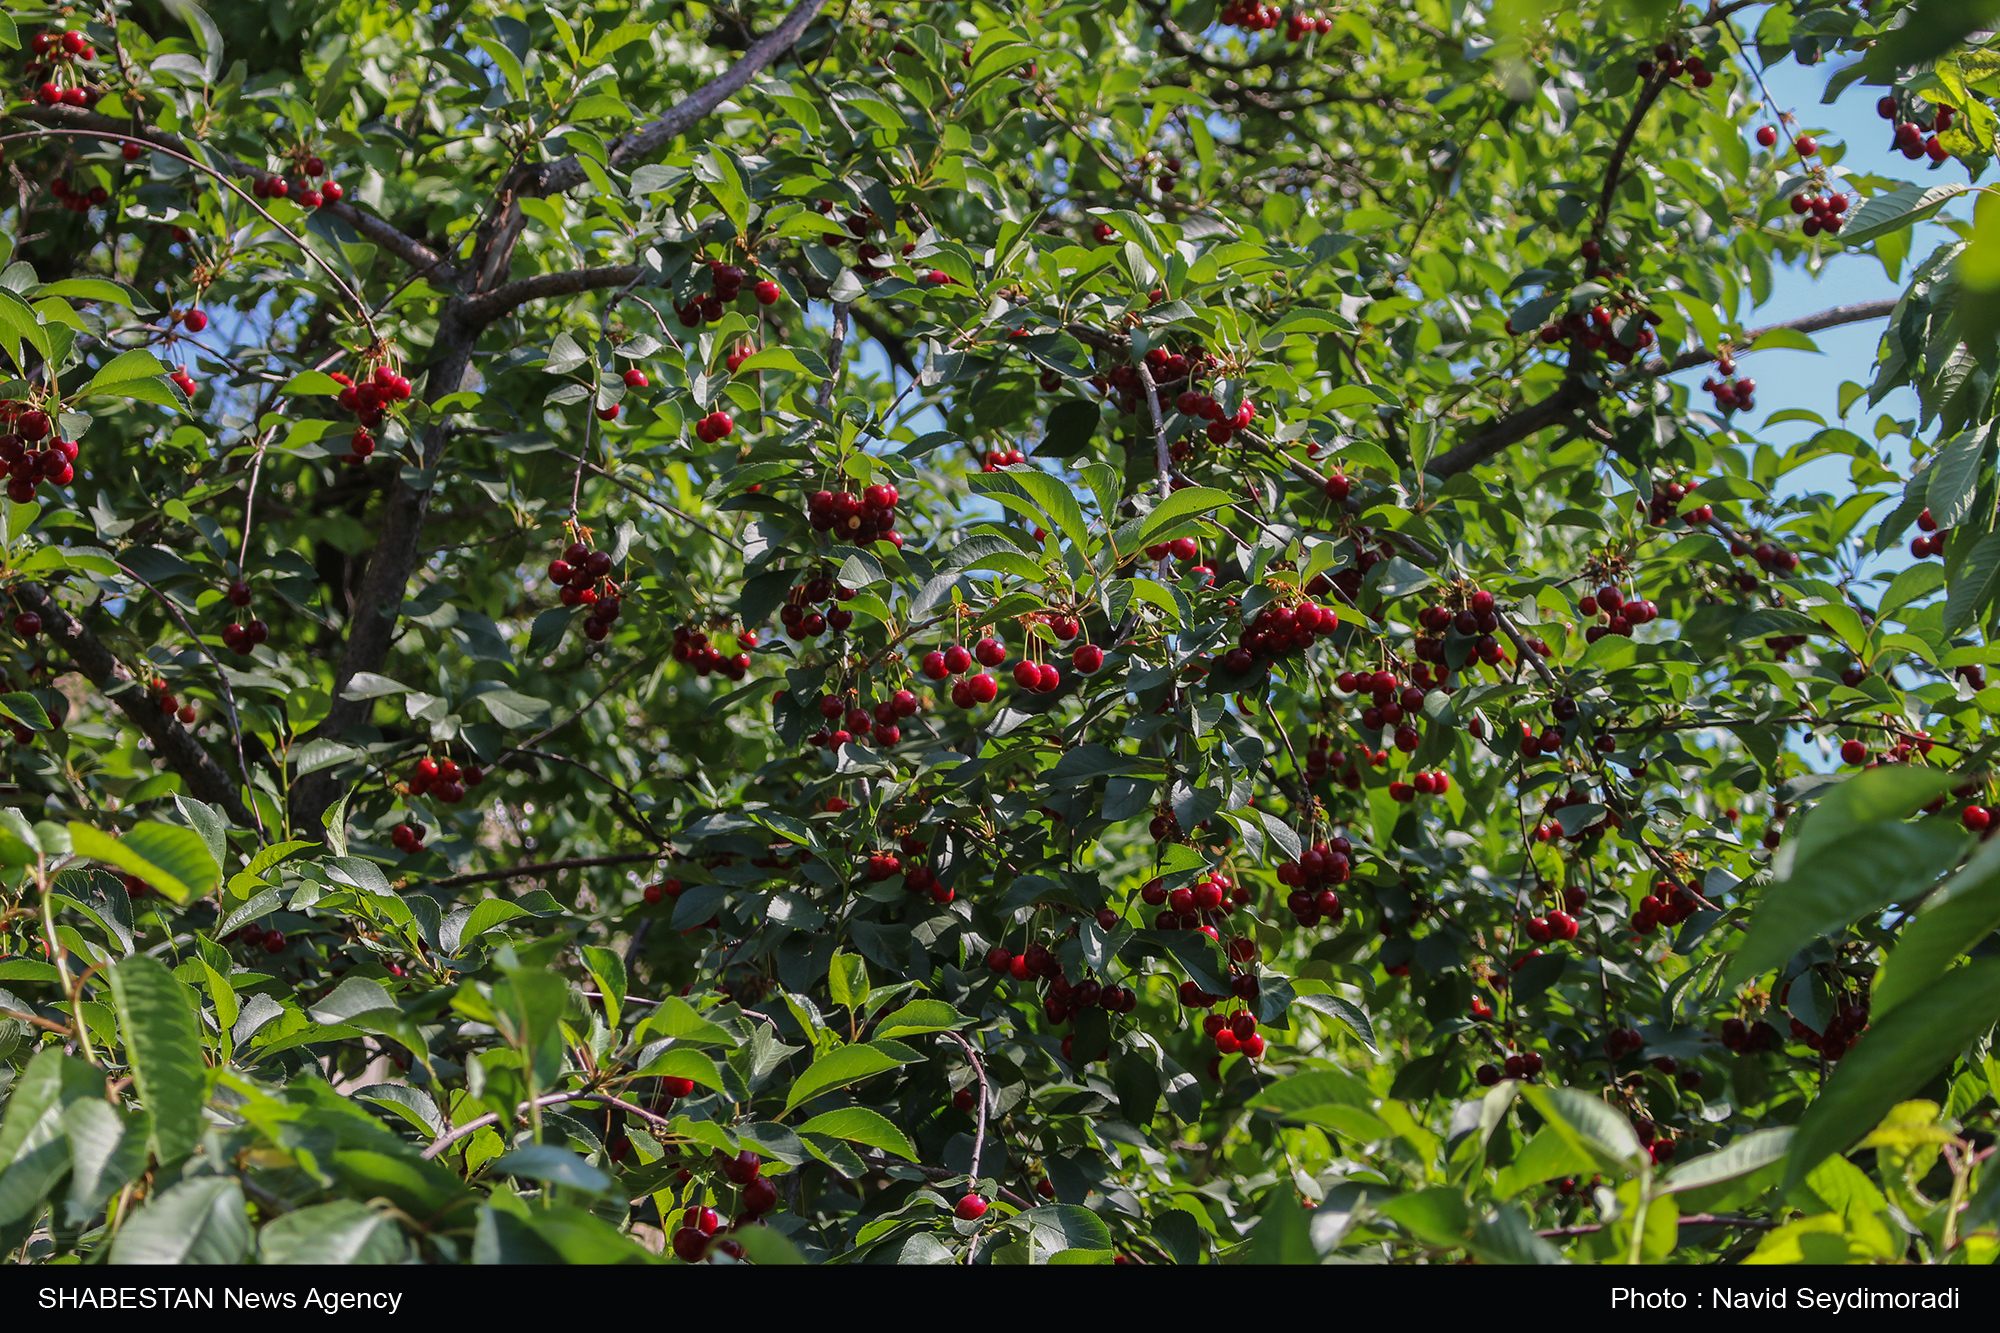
173 745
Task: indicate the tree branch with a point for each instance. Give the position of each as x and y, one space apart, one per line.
406 248
555 177
1824 319
1518 425
172 743
502 300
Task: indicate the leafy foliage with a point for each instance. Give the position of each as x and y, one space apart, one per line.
983 632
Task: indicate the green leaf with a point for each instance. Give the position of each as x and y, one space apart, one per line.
512 709
1899 1053
202 1220
1437 1217
858 1124
1283 1234
1305 1092
847 980
107 1151
607 969
918 1017
1892 212
683 1062
557 1166
1588 1124
1056 1227
174 860
1954 478
1974 585
87 289
1742 1156
677 1019
163 1044
118 376
1964 910
345 1231
1835 884
1053 500
837 1069
1177 508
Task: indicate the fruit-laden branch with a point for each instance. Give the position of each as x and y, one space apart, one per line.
173 744
1558 406
486 308
554 177
401 527
407 248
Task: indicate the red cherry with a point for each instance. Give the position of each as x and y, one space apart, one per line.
636 379
970 1208
1087 658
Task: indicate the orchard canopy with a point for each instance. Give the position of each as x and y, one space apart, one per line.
994 632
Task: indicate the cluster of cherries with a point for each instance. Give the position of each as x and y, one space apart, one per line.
1910 139
1062 1000
1520 1064
1667 61
1618 613
1730 394
998 458
1932 542
1549 927
1822 212
1430 782
257 937
1666 503
303 188
408 838
1476 619
170 705
1223 426
1390 703
1310 879
692 647
725 282
1277 630
583 576
1669 904
75 200
1324 758
799 618
443 780
1166 368
860 519
1252 16
854 723
1747 1038
31 453
1842 1030
366 398
1593 329
717 425
1197 906
918 879
56 56
240 637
